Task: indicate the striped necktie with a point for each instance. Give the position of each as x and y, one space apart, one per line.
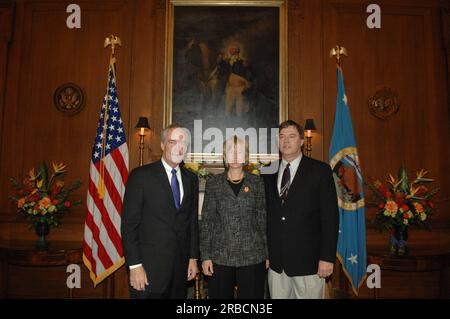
285 183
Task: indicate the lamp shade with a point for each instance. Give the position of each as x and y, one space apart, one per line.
309 125
143 123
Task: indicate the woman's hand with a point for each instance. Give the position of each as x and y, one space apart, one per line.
207 266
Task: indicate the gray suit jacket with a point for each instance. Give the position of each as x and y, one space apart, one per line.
233 228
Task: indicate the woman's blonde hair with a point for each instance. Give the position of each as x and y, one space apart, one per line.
235 140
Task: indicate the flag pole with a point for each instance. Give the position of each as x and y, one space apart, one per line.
111 41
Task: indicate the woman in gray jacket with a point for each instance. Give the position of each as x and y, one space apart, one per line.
233 243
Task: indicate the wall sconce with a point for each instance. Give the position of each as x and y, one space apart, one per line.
142 125
309 126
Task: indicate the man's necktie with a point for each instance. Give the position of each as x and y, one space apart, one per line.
285 183
175 189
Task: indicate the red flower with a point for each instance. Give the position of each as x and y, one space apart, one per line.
405 207
55 190
399 198
383 189
388 194
67 204
405 216
55 202
381 205
431 204
20 192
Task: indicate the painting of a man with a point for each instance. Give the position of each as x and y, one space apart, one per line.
226 66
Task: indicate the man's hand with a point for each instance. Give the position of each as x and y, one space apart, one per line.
325 269
192 269
207 267
138 278
267 264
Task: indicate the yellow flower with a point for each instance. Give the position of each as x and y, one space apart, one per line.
39 183
59 168
32 175
423 216
44 203
255 171
405 221
192 166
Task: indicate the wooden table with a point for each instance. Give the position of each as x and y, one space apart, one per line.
418 260
22 255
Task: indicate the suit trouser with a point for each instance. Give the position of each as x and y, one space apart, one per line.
250 282
176 287
282 286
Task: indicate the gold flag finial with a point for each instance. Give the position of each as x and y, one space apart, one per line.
112 41
337 52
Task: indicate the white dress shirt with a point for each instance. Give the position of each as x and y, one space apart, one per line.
292 168
168 170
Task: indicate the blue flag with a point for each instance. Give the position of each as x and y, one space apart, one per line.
351 250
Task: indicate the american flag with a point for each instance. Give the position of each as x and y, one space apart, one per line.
102 247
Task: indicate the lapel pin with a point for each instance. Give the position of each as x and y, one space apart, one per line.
246 189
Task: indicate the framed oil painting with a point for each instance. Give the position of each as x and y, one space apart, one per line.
226 70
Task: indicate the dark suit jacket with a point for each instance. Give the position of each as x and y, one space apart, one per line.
233 228
305 228
153 232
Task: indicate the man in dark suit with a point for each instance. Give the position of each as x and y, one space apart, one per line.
160 223
302 220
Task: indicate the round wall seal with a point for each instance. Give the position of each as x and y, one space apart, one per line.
384 103
69 99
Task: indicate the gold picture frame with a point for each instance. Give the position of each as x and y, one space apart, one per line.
202 36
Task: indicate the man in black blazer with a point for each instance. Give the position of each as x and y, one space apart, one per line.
302 220
160 223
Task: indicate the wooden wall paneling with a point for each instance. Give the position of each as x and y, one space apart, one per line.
158 79
51 55
406 54
385 57
445 29
148 77
9 150
6 21
305 67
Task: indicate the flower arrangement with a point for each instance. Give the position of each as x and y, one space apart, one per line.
42 198
198 169
255 168
402 203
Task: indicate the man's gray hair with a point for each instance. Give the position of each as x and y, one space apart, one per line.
173 126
